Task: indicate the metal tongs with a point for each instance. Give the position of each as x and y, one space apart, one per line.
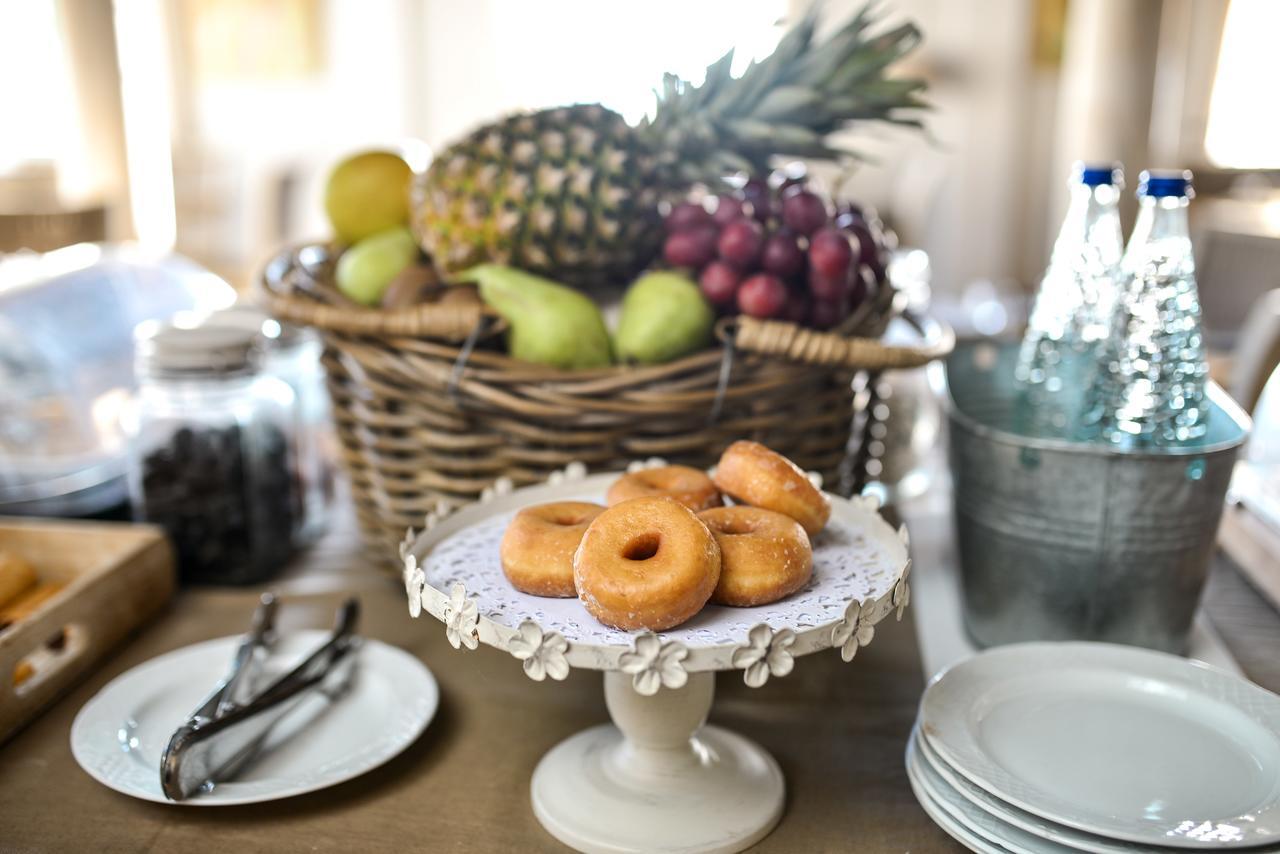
230 728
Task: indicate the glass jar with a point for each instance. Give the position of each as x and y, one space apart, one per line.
211 452
292 353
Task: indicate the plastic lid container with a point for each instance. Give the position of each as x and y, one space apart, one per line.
66 367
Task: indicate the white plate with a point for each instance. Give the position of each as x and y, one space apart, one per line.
119 735
986 824
1116 741
945 780
943 819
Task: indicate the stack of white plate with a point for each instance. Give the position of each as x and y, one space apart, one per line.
1094 747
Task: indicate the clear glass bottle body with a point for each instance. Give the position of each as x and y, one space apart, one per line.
211 462
1150 385
1072 312
295 359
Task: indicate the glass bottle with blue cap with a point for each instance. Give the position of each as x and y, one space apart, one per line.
1150 384
1073 307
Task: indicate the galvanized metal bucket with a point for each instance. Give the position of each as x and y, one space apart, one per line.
1064 540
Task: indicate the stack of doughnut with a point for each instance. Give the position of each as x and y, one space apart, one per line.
667 544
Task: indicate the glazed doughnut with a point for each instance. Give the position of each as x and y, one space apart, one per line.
764 555
691 487
647 563
755 475
537 548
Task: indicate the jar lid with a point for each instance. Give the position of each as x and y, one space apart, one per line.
248 316
171 349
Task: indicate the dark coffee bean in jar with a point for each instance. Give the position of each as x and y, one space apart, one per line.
228 512
211 456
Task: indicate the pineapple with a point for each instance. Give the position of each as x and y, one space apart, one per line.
574 192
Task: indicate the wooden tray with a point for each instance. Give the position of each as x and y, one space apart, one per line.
116 575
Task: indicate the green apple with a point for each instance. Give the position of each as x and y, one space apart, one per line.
366 269
366 194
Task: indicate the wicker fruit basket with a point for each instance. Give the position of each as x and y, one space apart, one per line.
428 408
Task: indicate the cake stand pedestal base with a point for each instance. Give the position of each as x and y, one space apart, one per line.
658 779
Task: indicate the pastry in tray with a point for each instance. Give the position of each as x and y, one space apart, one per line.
21 593
16 578
666 545
20 589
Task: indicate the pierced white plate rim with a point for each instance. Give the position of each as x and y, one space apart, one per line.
1019 818
965 835
96 748
955 695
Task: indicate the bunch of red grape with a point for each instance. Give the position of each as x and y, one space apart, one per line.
779 252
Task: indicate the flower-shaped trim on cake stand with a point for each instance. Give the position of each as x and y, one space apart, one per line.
502 486
654 664
902 590
766 653
414 580
640 465
855 630
406 544
541 652
571 473
869 502
461 617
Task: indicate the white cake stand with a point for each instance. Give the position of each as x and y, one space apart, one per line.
658 778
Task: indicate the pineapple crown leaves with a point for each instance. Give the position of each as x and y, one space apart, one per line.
789 102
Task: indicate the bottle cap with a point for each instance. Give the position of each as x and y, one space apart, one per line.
1097 174
1159 183
173 350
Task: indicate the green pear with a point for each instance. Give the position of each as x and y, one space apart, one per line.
549 324
664 317
366 269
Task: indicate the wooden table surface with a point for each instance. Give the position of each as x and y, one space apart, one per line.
838 731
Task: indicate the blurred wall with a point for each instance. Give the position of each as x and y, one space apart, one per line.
265 96
972 192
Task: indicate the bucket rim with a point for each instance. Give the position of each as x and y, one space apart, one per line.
1214 392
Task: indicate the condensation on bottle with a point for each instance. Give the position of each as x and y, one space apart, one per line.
1150 385
1071 317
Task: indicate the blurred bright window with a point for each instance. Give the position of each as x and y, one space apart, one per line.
1243 131
565 51
40 122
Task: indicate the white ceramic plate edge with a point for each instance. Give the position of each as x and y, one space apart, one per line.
370 648
1019 818
1151 837
988 827
955 830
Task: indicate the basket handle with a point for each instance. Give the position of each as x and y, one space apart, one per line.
448 321
780 338
308 270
